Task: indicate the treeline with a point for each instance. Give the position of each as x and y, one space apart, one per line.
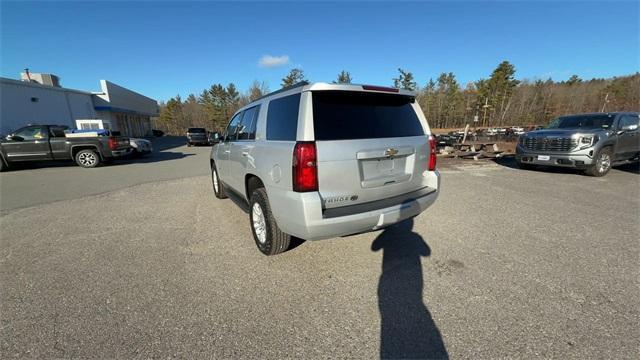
498 100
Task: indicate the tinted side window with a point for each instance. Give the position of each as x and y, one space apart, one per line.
232 129
247 128
31 133
341 115
627 120
282 118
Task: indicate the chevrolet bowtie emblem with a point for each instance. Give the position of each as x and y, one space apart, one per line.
391 152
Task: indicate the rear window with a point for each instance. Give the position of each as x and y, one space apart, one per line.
196 130
342 115
282 118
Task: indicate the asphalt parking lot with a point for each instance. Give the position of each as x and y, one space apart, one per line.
139 259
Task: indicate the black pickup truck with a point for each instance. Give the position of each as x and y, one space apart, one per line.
50 142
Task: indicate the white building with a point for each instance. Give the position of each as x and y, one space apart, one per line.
39 99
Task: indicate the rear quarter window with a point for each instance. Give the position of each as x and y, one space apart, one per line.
282 118
346 115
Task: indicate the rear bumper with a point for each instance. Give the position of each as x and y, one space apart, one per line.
198 141
121 152
578 161
301 215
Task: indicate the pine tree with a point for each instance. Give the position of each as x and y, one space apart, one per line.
343 78
232 99
574 79
496 92
293 77
405 81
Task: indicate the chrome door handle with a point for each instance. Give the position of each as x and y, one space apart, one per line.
227 151
244 153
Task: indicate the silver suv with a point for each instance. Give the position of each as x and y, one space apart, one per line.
317 161
591 142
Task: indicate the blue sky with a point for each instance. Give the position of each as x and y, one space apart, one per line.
162 49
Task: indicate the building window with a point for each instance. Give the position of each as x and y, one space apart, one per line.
35 99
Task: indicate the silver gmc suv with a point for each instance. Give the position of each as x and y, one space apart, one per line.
592 142
317 161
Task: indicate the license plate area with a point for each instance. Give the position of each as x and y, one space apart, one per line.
384 171
544 157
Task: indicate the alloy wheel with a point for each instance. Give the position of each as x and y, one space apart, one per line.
604 162
215 181
87 159
259 226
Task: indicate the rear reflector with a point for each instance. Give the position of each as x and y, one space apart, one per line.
305 169
380 88
432 153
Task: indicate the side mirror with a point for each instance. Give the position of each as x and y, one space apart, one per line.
630 127
15 137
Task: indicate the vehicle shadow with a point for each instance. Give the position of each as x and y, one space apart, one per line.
630 168
407 328
510 162
151 158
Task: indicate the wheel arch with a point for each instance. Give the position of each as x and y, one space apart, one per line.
251 183
3 159
75 149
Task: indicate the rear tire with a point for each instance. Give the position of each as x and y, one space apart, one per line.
218 187
266 233
3 166
602 165
188 144
87 158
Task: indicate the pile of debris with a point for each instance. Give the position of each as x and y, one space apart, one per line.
472 150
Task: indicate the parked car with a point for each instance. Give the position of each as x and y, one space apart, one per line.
491 131
447 140
51 142
591 142
197 136
517 130
141 146
325 160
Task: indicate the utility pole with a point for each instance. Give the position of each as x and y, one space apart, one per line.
485 107
606 100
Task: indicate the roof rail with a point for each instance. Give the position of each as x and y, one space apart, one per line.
296 85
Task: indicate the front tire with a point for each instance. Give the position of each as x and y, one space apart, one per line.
3 166
218 187
266 233
87 158
602 165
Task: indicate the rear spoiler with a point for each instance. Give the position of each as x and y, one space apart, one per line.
359 87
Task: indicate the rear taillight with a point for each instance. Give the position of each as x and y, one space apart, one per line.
305 168
432 153
113 143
